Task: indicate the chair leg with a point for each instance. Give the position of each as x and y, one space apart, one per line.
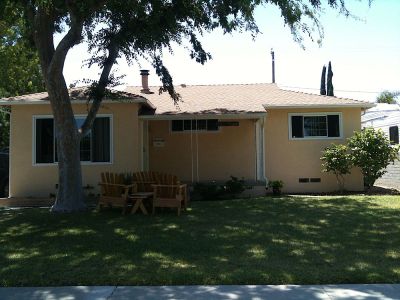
179 210
154 210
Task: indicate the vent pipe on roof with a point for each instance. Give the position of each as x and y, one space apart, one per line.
145 82
273 65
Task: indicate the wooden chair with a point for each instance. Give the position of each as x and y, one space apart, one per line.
114 191
169 193
144 180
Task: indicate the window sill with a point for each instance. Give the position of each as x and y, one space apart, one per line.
316 138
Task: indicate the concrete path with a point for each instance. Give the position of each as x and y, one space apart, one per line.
234 292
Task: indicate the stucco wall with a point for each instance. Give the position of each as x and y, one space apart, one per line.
229 151
289 160
27 180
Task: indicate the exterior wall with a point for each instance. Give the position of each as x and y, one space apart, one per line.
288 160
230 151
27 180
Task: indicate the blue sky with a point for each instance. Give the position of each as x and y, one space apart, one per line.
365 55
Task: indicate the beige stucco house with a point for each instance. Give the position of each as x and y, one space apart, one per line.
255 131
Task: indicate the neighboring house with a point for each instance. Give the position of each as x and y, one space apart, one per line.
253 131
386 117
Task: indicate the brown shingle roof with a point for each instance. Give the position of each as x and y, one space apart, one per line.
76 94
239 98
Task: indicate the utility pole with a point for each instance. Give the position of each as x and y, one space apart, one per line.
273 65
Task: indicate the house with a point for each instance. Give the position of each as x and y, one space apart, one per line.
257 132
387 118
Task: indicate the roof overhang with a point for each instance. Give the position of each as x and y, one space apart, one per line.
186 116
316 106
47 102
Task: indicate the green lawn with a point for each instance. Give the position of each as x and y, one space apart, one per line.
298 240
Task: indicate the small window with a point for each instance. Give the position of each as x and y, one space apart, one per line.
315 125
304 180
394 135
195 125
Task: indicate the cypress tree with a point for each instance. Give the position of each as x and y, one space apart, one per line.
329 81
323 76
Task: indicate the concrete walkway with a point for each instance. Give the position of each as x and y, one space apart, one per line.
252 292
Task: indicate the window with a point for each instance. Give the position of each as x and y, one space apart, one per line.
325 125
198 125
394 134
94 147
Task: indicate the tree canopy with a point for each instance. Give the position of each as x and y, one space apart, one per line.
389 97
20 69
132 29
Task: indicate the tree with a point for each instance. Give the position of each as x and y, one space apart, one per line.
323 84
388 97
336 159
329 84
20 74
133 29
372 152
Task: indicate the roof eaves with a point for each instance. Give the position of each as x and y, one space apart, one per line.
344 105
182 116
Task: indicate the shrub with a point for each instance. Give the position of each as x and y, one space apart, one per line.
213 191
372 153
234 186
276 186
336 159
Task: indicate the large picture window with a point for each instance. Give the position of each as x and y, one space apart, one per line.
321 125
94 147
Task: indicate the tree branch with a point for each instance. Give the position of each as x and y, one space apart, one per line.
98 91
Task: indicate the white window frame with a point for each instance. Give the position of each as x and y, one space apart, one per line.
36 117
316 114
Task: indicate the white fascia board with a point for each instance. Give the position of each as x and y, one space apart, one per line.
204 116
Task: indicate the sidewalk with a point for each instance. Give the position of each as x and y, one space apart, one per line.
234 292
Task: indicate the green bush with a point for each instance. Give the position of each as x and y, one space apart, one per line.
337 159
372 152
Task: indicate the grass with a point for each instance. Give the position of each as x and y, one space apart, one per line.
286 240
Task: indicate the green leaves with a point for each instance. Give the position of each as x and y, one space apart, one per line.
369 149
336 159
388 97
372 152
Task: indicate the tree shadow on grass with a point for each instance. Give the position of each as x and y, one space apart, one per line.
298 240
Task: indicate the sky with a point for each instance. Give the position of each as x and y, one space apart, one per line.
365 55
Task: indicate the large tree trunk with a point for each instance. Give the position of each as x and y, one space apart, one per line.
70 192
